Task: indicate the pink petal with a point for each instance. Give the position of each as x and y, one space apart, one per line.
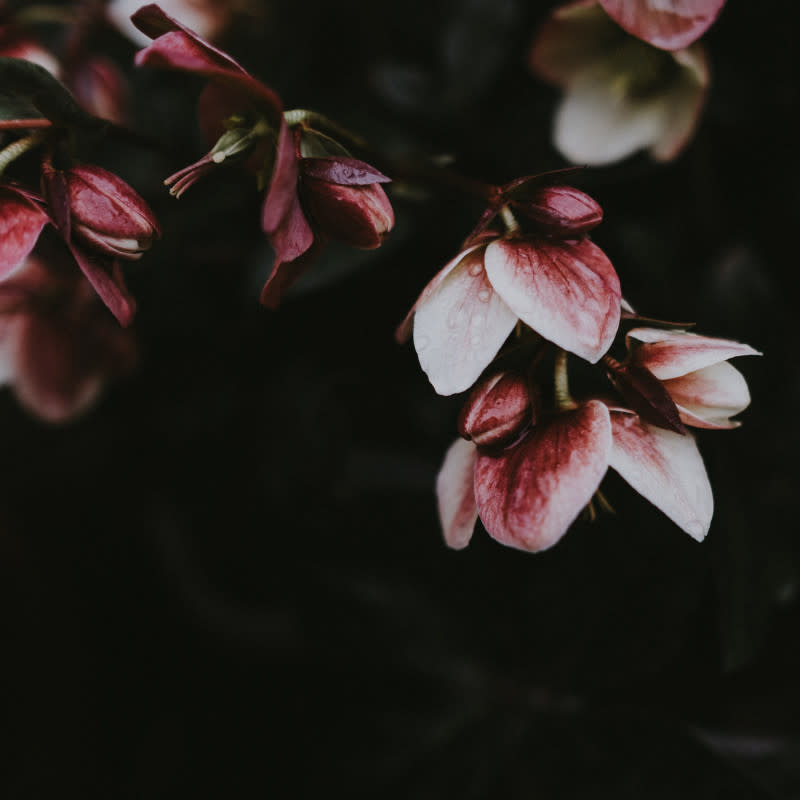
666 469
108 282
708 397
684 102
668 24
574 37
568 292
52 377
455 494
282 192
343 170
459 325
21 222
294 234
530 494
404 328
671 354
286 273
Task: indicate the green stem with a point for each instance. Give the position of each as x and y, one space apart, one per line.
563 398
18 148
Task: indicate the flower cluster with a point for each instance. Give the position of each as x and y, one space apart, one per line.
532 457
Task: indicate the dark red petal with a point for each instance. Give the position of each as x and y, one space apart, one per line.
671 25
346 171
497 410
562 211
286 273
530 494
21 222
282 192
107 280
568 292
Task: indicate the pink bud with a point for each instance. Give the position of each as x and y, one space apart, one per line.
108 214
562 211
356 215
496 411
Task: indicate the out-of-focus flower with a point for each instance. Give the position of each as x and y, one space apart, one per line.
694 370
100 87
21 222
565 289
15 44
621 94
528 494
209 18
58 345
670 25
315 190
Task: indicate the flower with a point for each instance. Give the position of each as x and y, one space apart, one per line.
621 94
21 222
694 370
528 494
565 289
314 188
670 26
58 345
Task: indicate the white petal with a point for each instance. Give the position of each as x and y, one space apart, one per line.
460 326
710 395
666 469
455 494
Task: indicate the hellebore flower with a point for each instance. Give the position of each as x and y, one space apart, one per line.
621 94
102 220
529 493
314 189
694 370
58 345
671 25
565 289
21 222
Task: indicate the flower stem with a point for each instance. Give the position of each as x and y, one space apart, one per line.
509 220
563 398
18 148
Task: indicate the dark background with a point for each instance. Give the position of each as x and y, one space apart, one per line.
228 578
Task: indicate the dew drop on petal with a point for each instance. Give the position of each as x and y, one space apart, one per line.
475 340
484 295
476 269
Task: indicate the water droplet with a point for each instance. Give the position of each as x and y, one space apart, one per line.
484 295
476 269
475 340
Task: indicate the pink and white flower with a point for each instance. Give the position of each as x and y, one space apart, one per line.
564 289
694 370
528 494
621 94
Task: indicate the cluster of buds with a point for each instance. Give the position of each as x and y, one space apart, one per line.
532 456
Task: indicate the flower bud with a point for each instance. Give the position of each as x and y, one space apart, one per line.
108 214
496 411
359 215
562 211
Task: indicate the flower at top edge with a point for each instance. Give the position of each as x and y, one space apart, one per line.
314 189
621 94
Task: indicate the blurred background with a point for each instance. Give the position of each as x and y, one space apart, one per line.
228 577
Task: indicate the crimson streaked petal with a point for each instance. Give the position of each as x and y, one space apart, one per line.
666 469
669 25
708 397
568 292
21 222
455 494
530 494
460 325
671 354
286 273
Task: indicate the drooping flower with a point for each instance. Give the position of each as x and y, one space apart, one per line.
621 94
58 344
561 286
528 494
694 370
671 25
314 188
